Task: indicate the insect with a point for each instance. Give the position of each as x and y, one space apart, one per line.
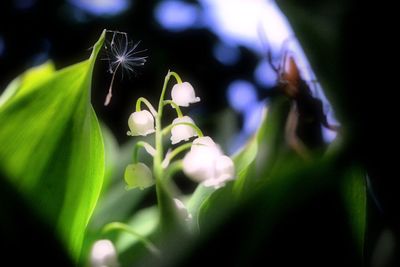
122 54
306 116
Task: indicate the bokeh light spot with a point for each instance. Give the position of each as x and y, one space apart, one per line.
241 95
176 15
101 7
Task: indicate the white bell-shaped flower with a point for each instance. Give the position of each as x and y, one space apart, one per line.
201 163
103 254
138 175
141 123
183 94
224 171
183 212
182 132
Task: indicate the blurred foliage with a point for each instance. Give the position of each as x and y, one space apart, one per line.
52 148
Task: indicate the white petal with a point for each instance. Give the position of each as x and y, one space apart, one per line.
103 254
149 149
182 210
205 141
199 164
166 161
183 94
224 172
225 168
141 123
182 132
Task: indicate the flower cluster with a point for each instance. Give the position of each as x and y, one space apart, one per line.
204 163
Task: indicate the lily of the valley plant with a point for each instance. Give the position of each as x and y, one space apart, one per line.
203 163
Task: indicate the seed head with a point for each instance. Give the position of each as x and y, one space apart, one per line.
122 54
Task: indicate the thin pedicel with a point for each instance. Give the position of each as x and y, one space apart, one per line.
122 54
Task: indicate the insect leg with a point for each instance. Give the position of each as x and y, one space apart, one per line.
290 134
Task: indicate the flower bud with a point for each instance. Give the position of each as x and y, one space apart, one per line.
183 94
182 132
103 254
138 175
141 123
183 212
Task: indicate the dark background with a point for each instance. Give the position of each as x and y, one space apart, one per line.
48 30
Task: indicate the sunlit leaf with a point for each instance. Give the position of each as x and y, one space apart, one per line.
52 147
253 160
259 154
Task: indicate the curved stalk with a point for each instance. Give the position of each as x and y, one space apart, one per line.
169 128
141 144
126 228
174 153
176 76
174 168
177 108
147 103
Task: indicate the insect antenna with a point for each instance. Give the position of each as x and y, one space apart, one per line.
267 47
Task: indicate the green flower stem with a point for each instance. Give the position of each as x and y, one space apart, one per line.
159 146
141 144
175 167
177 108
178 150
147 103
176 76
126 228
169 128
168 215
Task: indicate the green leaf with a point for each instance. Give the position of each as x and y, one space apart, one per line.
243 161
199 196
251 162
116 203
355 200
51 145
143 222
260 152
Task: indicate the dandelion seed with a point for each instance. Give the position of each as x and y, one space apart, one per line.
122 55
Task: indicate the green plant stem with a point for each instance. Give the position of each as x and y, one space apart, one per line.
147 103
174 168
178 150
169 218
176 76
126 228
159 146
169 128
164 199
177 108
